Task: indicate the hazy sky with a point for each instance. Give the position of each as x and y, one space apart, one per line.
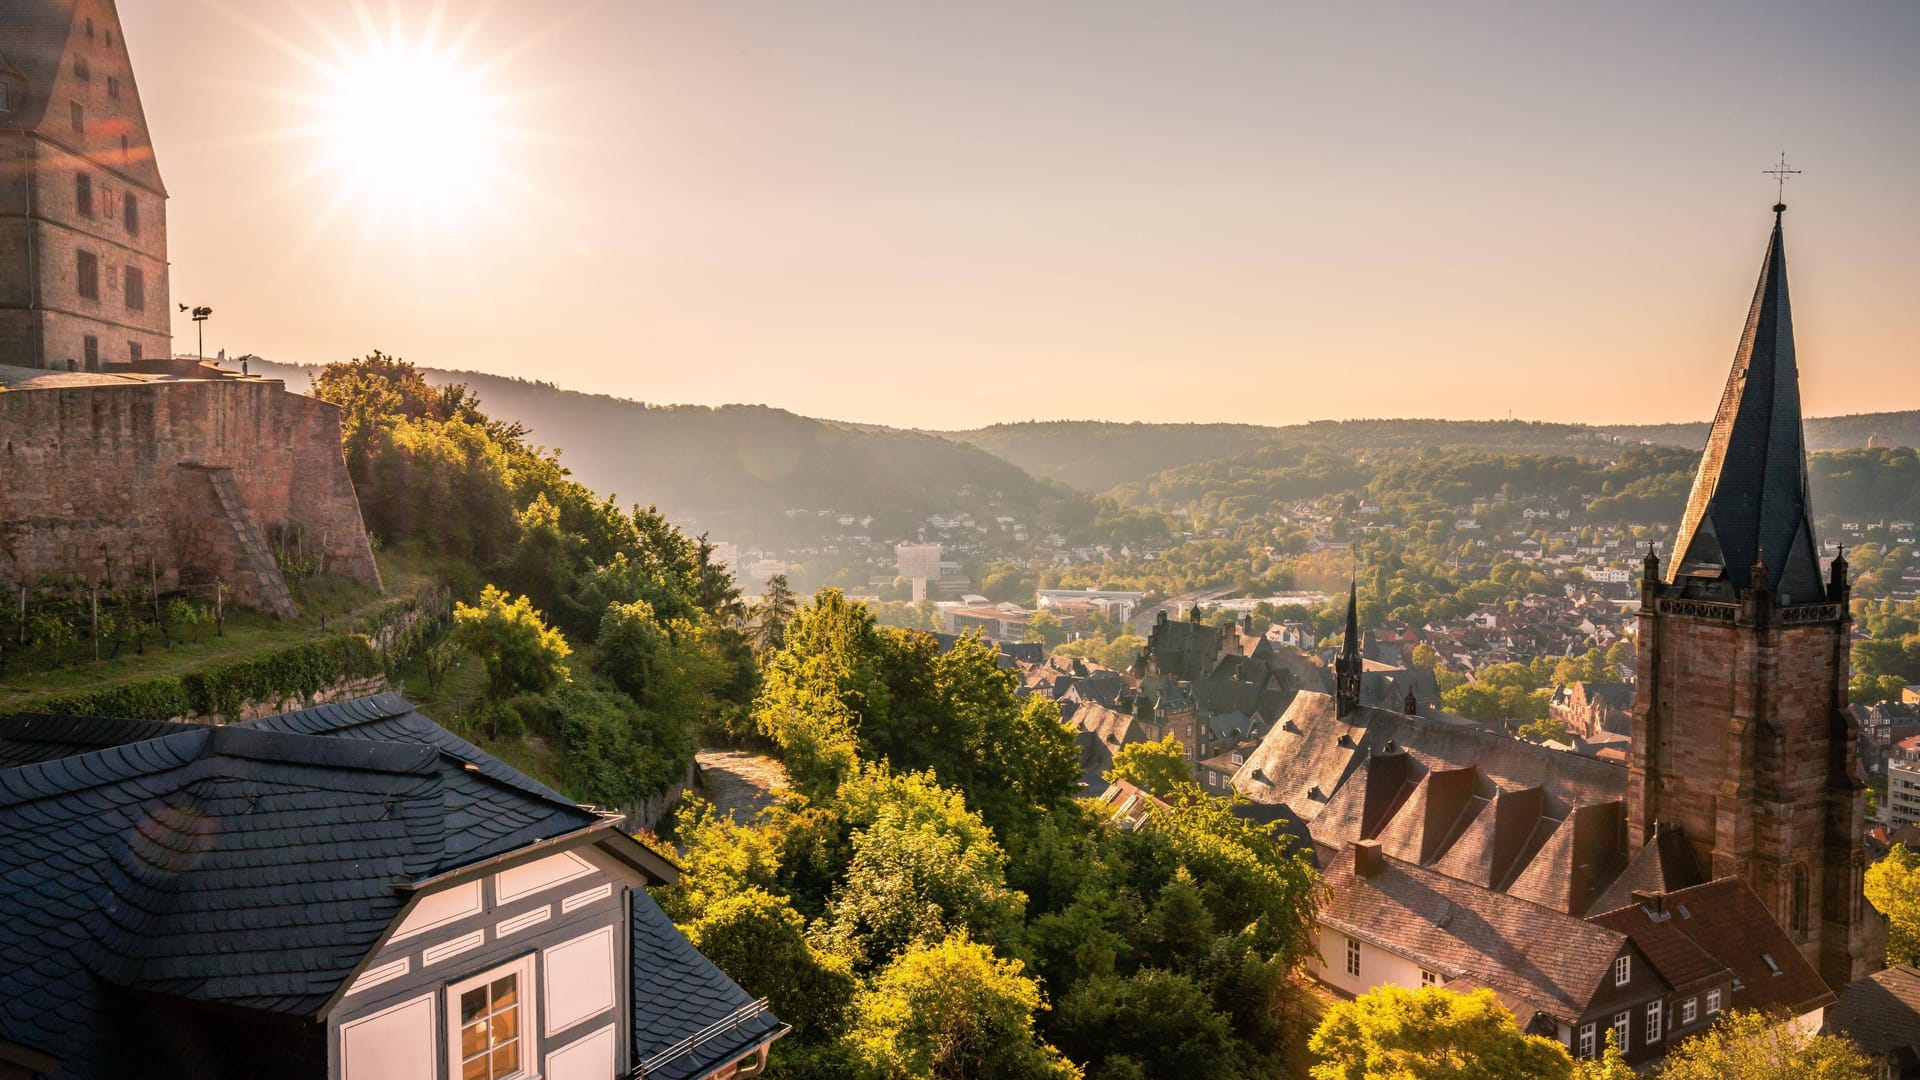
950 214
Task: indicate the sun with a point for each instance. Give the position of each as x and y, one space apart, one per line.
400 124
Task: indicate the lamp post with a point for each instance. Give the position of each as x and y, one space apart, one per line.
200 317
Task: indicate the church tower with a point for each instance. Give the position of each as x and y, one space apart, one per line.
1348 666
83 225
1741 736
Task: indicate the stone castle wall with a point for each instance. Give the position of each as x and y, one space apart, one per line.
99 480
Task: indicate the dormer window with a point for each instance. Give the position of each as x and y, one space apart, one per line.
1622 970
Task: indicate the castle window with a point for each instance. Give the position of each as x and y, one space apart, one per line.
136 289
83 194
79 119
134 352
125 155
89 28
130 209
113 87
87 273
80 69
1799 901
1622 970
91 349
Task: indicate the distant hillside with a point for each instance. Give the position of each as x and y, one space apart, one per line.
1095 455
1823 433
738 469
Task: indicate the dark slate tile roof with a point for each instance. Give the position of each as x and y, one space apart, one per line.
688 1017
26 738
1749 498
249 866
1881 1012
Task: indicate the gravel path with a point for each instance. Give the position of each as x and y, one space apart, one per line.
740 783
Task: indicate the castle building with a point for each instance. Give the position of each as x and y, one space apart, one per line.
83 221
1742 739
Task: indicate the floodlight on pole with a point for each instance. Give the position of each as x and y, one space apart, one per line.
200 317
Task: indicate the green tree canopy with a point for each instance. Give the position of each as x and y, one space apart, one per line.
1893 888
521 653
1159 768
951 1010
1753 1046
1391 1033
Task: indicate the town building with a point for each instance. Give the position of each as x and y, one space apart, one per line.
348 892
83 212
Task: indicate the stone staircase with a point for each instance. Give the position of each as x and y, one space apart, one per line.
259 569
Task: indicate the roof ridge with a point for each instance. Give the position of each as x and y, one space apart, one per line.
78 772
390 756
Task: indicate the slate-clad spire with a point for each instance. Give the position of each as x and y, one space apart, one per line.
1749 502
1349 664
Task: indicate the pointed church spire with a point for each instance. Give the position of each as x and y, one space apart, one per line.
1349 664
1750 494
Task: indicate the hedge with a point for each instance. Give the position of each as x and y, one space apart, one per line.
301 670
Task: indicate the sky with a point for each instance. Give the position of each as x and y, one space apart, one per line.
943 215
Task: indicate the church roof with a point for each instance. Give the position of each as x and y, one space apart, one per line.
1749 500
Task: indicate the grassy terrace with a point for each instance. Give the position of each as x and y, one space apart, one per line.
327 605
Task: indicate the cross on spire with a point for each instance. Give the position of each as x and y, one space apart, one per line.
1780 173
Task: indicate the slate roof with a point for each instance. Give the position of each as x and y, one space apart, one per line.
26 738
679 996
1750 494
249 866
1551 961
1881 1012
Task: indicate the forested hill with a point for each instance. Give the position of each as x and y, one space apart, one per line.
738 469
1097 456
1823 433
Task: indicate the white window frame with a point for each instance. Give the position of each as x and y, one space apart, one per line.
1353 957
1690 1011
1622 970
1713 1001
1587 1036
1623 1030
1429 978
529 1022
1656 1019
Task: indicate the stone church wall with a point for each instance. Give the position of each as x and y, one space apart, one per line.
119 474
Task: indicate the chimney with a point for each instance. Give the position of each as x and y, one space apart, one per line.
1654 902
1367 859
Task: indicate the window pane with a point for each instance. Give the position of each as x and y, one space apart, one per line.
505 1025
475 1069
504 992
506 1059
473 1004
473 1039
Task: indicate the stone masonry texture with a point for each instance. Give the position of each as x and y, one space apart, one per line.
98 475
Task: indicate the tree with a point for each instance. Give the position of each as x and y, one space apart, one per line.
1893 888
1610 1065
1754 1046
630 646
771 614
1159 768
1548 730
953 1010
1045 628
1162 1022
1391 1033
760 942
521 653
